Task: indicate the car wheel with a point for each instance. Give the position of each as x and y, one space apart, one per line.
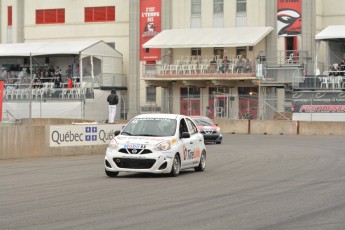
202 163
176 166
111 174
218 142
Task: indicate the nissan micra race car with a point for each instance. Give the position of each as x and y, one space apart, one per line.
156 143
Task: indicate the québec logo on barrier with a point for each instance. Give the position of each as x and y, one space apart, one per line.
91 133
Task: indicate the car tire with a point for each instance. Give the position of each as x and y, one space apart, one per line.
111 174
218 142
176 166
202 164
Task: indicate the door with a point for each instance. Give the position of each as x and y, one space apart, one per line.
191 151
190 101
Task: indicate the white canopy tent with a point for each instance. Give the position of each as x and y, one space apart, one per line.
208 37
333 33
111 59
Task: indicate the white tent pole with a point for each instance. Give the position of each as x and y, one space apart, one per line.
30 89
92 73
80 69
317 44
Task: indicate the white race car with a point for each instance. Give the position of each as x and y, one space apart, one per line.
156 143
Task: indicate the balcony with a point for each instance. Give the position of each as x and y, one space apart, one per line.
329 81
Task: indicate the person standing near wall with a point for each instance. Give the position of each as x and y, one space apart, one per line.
208 111
113 100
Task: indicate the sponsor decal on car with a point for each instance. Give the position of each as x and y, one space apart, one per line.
134 146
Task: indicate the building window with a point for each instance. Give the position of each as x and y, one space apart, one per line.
218 7
241 52
151 94
241 13
218 13
196 14
196 51
50 16
100 14
218 52
9 16
241 6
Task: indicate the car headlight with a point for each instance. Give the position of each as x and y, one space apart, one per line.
163 146
218 130
112 145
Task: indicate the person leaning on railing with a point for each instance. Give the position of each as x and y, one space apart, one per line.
212 68
248 66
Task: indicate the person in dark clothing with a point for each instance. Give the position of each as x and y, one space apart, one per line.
113 100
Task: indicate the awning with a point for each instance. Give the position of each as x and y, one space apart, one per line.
94 47
332 33
208 37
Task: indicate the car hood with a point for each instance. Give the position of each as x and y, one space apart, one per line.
141 140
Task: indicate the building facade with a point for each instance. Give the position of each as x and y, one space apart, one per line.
241 58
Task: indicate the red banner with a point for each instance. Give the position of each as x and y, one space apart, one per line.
1 95
289 20
150 26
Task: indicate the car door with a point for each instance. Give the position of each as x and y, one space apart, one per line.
191 150
196 140
187 144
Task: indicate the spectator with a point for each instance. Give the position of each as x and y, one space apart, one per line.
51 70
225 65
240 66
248 66
212 68
57 75
77 73
4 74
69 82
208 111
113 100
69 71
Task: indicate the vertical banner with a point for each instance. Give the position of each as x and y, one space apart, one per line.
289 20
150 26
1 95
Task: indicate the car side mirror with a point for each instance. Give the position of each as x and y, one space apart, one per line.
117 132
185 135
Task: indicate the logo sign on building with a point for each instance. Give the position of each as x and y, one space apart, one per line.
150 26
289 20
1 95
80 135
322 102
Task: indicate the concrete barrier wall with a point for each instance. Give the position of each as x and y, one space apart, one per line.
233 126
321 128
28 141
274 127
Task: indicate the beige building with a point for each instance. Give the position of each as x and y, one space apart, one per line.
264 62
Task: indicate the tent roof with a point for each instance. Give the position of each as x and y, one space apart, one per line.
334 32
208 37
44 48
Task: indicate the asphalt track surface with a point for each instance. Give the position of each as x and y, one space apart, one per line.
251 182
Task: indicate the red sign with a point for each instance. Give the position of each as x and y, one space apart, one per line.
1 94
150 26
289 20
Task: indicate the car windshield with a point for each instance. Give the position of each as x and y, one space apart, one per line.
150 127
203 121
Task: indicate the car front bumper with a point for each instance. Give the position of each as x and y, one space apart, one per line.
147 163
214 137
